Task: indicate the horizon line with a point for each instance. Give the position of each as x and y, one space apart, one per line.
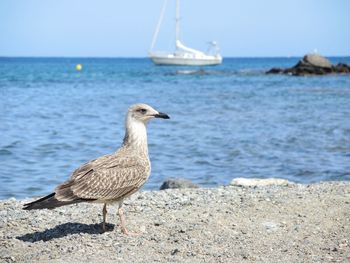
146 57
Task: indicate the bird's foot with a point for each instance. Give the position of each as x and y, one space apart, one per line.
123 224
128 233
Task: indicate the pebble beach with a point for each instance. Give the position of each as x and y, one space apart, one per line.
260 223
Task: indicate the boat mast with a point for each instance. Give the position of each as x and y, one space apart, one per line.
156 32
177 19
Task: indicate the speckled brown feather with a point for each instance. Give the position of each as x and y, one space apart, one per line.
106 179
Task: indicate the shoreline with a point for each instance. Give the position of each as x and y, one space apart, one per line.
262 223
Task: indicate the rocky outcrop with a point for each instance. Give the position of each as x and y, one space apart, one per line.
312 64
314 60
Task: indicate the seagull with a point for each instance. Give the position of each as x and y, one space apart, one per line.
111 178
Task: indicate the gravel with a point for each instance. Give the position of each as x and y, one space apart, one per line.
285 223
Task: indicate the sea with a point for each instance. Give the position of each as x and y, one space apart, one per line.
227 121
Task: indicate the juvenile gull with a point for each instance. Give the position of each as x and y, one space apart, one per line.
113 177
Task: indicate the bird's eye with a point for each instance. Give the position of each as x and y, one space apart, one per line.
143 111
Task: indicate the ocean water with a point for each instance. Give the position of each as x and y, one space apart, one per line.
226 121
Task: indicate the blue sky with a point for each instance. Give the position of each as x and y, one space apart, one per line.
116 28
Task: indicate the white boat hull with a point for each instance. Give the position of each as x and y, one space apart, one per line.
186 61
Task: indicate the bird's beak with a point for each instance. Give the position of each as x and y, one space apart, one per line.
161 115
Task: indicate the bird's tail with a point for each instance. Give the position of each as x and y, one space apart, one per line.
48 202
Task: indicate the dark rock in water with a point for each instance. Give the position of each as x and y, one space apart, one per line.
177 183
312 64
275 71
342 68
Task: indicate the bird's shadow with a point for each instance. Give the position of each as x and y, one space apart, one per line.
64 230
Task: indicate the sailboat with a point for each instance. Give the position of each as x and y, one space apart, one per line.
182 56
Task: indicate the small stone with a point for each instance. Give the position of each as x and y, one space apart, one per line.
142 229
175 251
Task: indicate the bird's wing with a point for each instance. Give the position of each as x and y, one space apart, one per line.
93 164
107 178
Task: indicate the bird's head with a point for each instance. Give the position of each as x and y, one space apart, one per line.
143 113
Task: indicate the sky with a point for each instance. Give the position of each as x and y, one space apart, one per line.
116 28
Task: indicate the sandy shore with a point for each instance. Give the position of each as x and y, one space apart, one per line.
294 223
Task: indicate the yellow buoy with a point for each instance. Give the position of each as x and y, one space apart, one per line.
78 67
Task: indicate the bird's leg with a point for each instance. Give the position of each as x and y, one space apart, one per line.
104 212
122 223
